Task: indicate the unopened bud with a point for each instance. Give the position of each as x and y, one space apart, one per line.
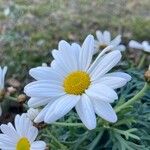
11 90
2 95
147 76
21 98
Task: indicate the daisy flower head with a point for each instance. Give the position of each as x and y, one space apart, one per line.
2 84
145 46
20 137
74 81
104 39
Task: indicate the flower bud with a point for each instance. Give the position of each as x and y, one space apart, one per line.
147 75
21 98
11 90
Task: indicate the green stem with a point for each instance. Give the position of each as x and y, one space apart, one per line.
127 133
11 98
141 61
15 100
137 97
79 125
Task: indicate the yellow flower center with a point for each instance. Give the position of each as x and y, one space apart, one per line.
23 144
103 46
76 82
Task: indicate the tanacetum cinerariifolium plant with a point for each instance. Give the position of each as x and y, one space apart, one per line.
83 100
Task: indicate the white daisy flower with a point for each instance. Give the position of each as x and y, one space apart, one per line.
104 40
2 83
72 81
145 46
32 113
22 137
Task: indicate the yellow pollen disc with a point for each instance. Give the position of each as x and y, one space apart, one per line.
23 144
76 82
103 46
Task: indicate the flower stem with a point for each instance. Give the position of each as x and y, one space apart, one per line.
137 97
15 100
11 98
141 61
80 125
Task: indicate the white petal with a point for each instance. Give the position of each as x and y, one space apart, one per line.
6 140
120 48
120 75
2 76
17 124
35 102
54 53
45 73
32 133
99 36
63 45
96 47
9 131
104 110
112 82
22 124
107 37
4 73
32 113
135 44
38 145
25 126
43 88
59 67
6 146
86 53
102 92
101 55
41 115
67 57
75 48
0 110
60 63
60 108
116 41
104 65
146 46
62 60
86 112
